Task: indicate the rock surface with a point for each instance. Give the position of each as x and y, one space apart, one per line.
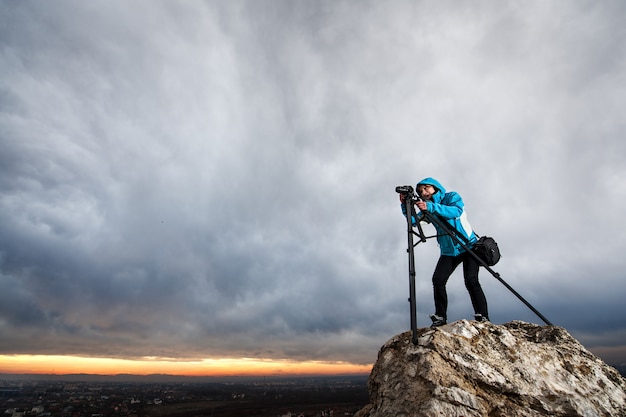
471 369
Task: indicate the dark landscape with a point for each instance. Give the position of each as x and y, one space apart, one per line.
169 396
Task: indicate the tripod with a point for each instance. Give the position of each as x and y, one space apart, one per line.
409 205
410 197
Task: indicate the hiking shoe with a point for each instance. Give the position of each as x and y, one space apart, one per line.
437 321
480 318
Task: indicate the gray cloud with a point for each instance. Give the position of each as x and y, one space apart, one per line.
209 178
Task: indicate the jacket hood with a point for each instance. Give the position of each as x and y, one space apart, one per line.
433 182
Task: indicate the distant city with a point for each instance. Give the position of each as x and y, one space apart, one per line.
175 396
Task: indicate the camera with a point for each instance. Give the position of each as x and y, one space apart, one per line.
408 191
404 189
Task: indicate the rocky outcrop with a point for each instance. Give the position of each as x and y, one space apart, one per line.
471 369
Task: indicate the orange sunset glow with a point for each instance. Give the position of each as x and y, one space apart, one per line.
59 365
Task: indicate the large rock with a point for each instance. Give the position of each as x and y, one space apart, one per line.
471 369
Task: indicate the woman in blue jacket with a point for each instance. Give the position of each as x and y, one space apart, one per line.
449 207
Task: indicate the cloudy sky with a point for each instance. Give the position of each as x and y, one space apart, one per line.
211 179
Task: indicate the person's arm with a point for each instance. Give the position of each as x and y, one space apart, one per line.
451 210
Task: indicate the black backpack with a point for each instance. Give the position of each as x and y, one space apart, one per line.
487 249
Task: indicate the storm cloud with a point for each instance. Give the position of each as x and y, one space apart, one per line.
206 179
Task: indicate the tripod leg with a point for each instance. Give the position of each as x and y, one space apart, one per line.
412 301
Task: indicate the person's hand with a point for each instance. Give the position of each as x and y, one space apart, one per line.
422 205
402 197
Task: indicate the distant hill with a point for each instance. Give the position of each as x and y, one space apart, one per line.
164 378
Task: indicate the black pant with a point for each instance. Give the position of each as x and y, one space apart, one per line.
445 267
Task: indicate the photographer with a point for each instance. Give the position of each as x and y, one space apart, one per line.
449 207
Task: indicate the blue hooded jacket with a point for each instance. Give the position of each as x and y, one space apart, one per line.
449 207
